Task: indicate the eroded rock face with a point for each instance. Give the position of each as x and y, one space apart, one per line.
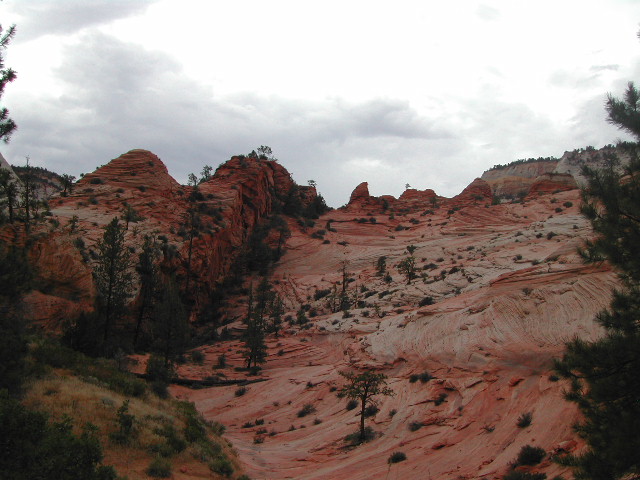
242 193
504 297
515 180
553 182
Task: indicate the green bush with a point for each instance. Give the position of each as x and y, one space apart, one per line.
524 476
415 426
159 468
524 420
529 455
222 466
351 404
126 425
33 448
397 457
306 410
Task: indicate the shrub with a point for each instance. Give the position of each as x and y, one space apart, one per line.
524 476
397 457
354 438
222 466
426 301
550 235
351 404
440 400
159 468
197 357
240 391
425 377
415 426
371 410
96 181
529 455
125 422
306 410
524 420
568 204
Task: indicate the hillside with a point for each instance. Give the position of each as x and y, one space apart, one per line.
467 344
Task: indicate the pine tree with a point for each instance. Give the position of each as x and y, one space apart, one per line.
255 346
605 374
363 387
170 325
149 283
9 190
7 125
112 275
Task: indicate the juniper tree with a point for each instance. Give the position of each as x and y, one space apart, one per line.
363 387
112 275
9 190
170 327
605 374
149 283
255 347
7 125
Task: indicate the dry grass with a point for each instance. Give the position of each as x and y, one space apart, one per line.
86 402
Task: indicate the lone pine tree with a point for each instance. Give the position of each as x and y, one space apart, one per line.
605 374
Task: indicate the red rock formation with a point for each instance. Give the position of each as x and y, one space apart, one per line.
552 183
514 180
477 192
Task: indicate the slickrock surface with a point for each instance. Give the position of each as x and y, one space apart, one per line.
513 292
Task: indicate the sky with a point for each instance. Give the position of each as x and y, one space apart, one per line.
419 92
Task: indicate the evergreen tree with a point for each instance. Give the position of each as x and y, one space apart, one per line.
604 374
9 190
15 278
363 387
148 271
112 275
171 325
255 346
7 125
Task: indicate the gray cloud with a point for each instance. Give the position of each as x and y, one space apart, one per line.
119 96
487 13
44 17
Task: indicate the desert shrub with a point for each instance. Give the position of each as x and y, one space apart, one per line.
222 466
568 204
126 425
197 357
426 301
425 377
240 391
441 399
306 410
96 181
159 468
351 404
524 476
321 293
524 420
173 440
415 426
371 410
396 457
529 455
550 235
355 439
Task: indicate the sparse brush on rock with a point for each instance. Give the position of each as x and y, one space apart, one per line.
525 420
397 457
529 455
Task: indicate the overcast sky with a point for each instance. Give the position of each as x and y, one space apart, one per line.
410 91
